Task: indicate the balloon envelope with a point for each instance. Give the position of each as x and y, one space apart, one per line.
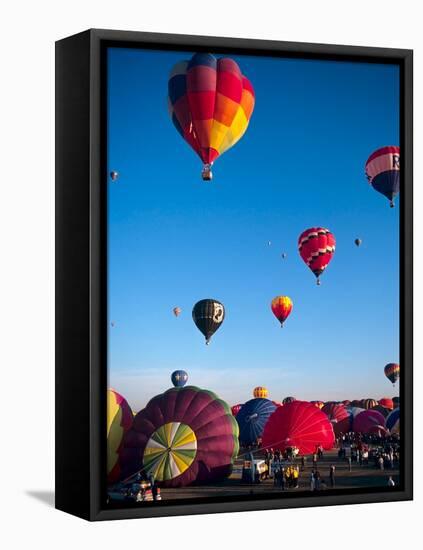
368 403
119 421
288 399
183 436
177 311
260 391
208 315
393 421
236 408
210 103
252 419
179 378
386 402
392 372
383 171
281 307
368 421
339 416
298 424
317 247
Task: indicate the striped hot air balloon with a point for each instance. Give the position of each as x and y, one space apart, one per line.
392 372
211 104
119 420
260 391
393 421
317 247
383 171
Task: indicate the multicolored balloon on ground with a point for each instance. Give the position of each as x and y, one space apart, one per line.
392 372
252 419
383 410
183 436
396 402
179 378
211 104
281 307
119 421
368 403
208 315
383 171
260 391
317 247
298 424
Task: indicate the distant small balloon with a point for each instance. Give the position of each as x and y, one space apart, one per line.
357 242
283 255
114 175
112 323
177 311
269 243
179 378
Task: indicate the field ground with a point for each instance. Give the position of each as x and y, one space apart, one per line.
360 476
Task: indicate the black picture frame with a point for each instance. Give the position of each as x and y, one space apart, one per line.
81 274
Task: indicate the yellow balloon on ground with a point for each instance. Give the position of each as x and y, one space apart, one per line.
119 420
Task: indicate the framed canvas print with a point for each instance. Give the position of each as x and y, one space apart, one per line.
210 191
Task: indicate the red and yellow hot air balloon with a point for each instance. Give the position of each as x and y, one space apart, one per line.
119 421
392 372
281 307
317 247
260 391
211 103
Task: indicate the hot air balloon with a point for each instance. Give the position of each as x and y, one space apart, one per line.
260 391
179 378
183 436
208 315
386 402
339 416
368 403
317 247
283 255
114 175
355 411
236 408
393 421
281 307
210 104
355 403
383 171
357 242
318 404
119 420
368 421
392 372
383 410
396 402
287 400
298 424
177 311
252 419
346 402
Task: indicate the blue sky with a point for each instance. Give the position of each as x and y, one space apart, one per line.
174 239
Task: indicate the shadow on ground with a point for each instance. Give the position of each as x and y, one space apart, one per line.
46 497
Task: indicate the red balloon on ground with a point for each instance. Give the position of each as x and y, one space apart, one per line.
386 402
339 417
298 424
